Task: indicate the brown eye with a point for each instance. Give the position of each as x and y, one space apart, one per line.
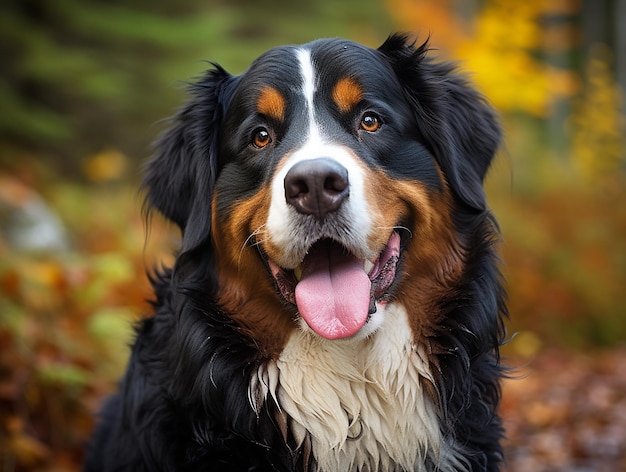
261 138
370 122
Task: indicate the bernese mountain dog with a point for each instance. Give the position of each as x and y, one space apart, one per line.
336 303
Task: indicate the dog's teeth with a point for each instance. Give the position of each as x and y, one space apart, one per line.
368 266
298 272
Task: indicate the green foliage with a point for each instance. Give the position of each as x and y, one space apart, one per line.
82 76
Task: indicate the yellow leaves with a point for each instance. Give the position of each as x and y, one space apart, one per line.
508 25
503 45
515 81
38 285
526 345
598 124
112 329
105 166
43 283
502 53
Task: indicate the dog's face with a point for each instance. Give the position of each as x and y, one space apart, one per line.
327 181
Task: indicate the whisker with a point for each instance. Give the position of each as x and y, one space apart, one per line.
258 242
253 234
404 228
247 243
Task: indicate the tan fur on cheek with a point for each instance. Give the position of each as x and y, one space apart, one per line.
393 202
246 290
434 264
433 260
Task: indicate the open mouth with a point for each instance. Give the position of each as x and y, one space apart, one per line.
335 292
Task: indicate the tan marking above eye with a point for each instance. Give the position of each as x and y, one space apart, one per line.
271 103
347 94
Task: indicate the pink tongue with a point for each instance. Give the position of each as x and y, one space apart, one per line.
333 295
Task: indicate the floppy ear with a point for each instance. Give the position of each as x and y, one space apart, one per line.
180 176
456 122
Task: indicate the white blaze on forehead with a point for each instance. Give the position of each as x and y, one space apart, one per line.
282 225
308 86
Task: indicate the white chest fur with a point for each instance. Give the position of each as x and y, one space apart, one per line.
360 403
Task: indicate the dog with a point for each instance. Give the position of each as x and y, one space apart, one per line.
336 303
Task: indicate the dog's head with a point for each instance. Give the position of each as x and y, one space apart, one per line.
324 183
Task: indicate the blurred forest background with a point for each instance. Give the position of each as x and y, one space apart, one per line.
84 86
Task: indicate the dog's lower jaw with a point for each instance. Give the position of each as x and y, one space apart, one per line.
336 292
358 403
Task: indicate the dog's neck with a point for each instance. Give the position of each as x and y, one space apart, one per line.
358 404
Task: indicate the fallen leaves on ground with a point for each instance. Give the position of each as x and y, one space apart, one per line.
566 411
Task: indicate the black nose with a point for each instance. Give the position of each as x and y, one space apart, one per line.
317 186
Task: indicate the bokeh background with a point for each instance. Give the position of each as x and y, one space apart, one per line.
84 87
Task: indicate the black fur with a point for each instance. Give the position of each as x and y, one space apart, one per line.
183 403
